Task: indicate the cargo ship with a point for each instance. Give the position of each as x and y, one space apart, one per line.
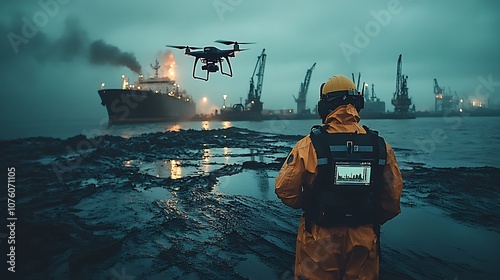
147 100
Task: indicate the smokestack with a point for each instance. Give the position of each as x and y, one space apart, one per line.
102 53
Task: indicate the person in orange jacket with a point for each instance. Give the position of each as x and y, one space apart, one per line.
347 180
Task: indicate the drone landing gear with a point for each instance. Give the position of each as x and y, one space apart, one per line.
230 74
194 71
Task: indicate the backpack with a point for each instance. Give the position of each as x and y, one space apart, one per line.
350 170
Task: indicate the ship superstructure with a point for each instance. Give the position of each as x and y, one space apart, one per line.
153 99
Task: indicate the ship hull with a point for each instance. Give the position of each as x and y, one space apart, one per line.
128 106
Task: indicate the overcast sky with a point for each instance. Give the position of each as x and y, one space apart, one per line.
52 67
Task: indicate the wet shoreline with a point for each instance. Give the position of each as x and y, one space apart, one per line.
198 205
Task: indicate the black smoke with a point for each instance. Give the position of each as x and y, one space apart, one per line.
102 53
72 44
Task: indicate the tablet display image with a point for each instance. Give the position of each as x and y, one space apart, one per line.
352 174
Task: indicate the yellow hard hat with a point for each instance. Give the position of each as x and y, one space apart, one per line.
338 90
338 83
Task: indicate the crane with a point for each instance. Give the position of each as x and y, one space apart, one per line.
373 97
444 102
437 88
304 86
253 102
400 100
438 92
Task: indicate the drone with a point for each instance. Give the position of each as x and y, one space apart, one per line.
211 56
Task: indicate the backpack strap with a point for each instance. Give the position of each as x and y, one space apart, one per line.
381 150
320 145
324 158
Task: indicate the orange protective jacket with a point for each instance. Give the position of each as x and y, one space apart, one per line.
337 252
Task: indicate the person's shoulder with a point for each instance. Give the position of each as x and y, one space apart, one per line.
303 143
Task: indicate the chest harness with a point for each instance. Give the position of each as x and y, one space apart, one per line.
350 170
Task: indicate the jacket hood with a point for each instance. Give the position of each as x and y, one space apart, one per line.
343 114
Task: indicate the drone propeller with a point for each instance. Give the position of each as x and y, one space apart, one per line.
225 42
183 47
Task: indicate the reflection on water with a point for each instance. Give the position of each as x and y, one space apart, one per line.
174 128
227 151
206 154
206 159
254 152
205 125
255 183
228 155
226 124
211 159
175 169
160 168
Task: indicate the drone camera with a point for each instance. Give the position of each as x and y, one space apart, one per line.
210 68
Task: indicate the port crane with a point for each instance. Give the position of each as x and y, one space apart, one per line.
304 86
438 93
444 102
373 98
401 100
253 103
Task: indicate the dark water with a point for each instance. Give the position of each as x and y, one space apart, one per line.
436 142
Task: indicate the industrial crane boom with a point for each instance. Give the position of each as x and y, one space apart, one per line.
437 88
398 78
400 100
301 100
253 102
